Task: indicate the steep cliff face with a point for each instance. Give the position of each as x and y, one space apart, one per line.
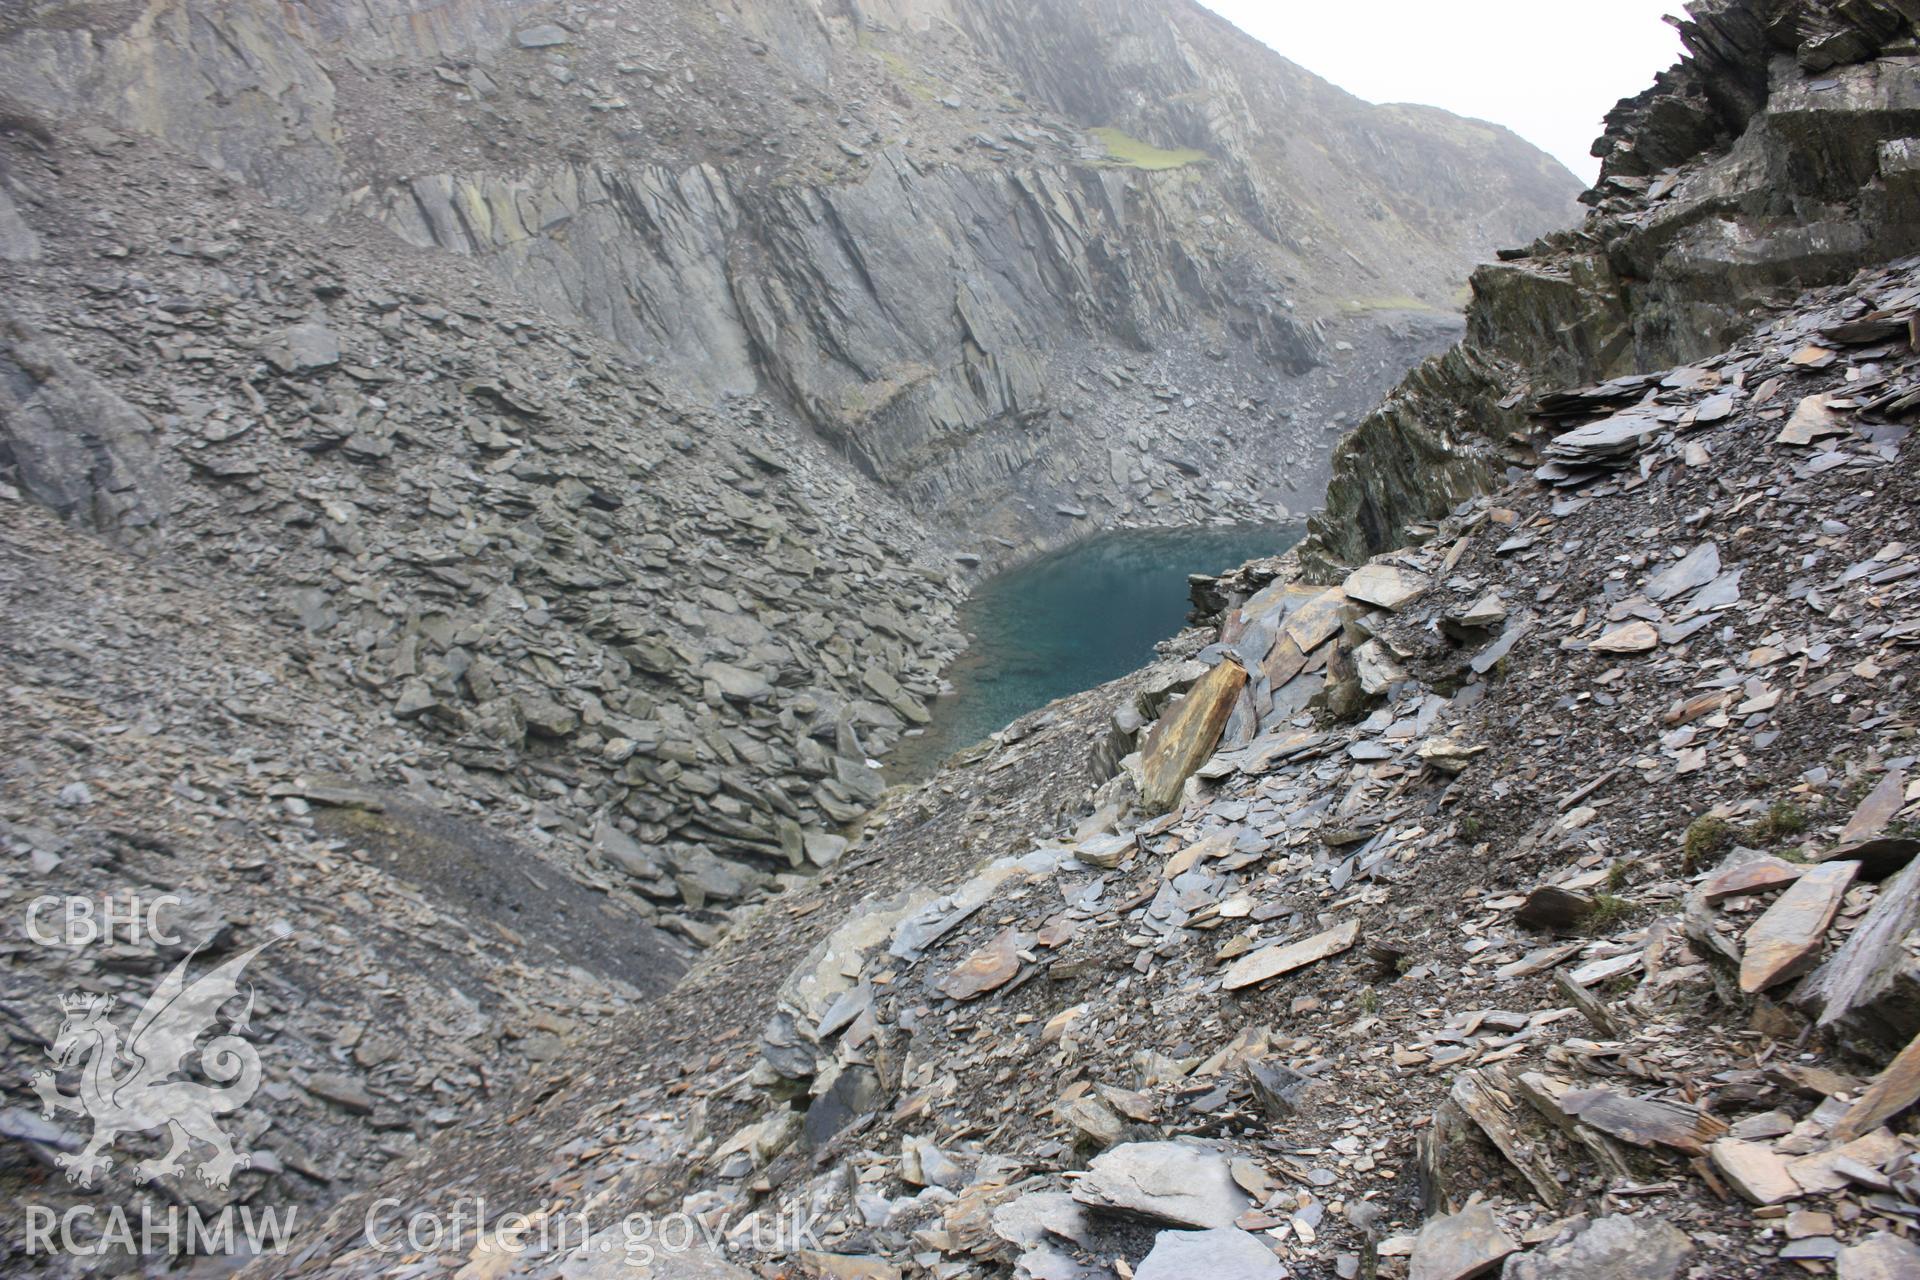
1316 172
932 231
1780 154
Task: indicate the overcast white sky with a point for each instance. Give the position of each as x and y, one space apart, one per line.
1547 69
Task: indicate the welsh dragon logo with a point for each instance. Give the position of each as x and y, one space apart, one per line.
138 1086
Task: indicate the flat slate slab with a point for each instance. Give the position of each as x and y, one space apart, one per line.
1319 620
544 36
1878 809
1384 585
1617 437
303 348
1619 1247
1283 662
1754 1170
1881 1256
1865 839
1183 740
1460 1246
1785 941
1168 1183
991 967
1760 875
1819 1172
1812 420
1894 1090
1271 962
1696 570
606 1256
1634 637
1226 1253
1644 1122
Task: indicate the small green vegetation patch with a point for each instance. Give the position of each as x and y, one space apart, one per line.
1607 911
1782 822
1124 148
1706 839
907 74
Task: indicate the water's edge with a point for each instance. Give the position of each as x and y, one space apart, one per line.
1068 621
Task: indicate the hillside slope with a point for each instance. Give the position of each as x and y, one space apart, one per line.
1541 898
481 483
1574 921
906 226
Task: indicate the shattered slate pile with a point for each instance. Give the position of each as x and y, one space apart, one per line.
208 788
666 640
374 612
1542 897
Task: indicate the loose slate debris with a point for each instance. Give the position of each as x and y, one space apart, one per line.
1614 1064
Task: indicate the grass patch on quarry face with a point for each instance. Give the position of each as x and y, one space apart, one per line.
908 75
1124 148
1401 302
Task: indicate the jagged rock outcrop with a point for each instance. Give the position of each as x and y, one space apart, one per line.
864 306
1778 155
72 444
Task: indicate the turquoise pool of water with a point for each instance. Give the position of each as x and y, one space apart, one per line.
1085 614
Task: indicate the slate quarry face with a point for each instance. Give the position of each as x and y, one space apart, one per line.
563 423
